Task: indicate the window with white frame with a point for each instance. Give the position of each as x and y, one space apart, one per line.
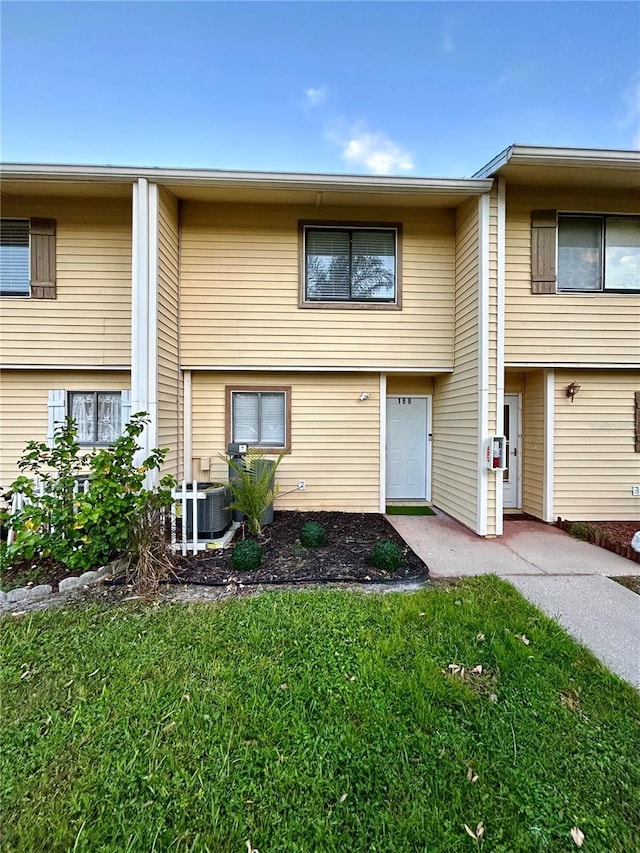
15 270
97 414
598 253
354 264
259 417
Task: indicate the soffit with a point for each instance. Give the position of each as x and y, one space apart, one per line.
564 175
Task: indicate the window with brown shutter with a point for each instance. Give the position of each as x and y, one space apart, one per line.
544 273
43 258
28 258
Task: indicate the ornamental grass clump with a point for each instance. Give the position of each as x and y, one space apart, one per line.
387 556
313 535
252 486
246 556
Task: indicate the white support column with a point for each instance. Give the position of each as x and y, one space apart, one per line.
500 334
139 311
549 444
152 324
187 420
383 441
483 363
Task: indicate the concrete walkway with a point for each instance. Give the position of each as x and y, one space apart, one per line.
565 578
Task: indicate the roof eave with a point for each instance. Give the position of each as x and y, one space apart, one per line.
254 180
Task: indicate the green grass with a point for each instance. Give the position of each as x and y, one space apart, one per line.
393 509
314 721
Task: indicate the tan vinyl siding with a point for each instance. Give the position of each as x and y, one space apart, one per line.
533 443
564 327
240 275
24 410
409 385
168 333
89 323
335 438
595 459
455 399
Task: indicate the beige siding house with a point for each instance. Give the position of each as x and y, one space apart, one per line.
381 330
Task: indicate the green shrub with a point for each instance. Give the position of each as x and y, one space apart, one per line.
83 529
581 530
313 535
386 555
246 556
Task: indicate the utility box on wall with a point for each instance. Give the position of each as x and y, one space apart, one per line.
497 453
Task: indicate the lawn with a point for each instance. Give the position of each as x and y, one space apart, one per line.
314 721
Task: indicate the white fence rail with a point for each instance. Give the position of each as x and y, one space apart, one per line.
189 541
184 509
18 502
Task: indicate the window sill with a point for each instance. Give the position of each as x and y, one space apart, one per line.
352 306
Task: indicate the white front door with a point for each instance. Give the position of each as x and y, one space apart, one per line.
408 462
511 475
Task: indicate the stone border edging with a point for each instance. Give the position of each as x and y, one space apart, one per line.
598 537
36 593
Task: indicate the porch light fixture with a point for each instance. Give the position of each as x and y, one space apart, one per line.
364 396
573 389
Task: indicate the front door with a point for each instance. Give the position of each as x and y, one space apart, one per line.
408 475
511 475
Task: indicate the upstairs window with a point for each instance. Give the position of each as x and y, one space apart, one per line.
598 253
15 273
28 258
356 264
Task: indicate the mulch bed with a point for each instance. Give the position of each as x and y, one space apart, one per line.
344 559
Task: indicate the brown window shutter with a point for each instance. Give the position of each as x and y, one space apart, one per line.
637 421
544 226
43 258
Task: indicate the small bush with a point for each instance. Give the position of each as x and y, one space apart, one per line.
581 530
313 535
386 555
246 556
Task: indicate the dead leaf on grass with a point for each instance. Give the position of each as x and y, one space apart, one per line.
343 798
480 637
570 700
472 776
578 836
477 835
524 639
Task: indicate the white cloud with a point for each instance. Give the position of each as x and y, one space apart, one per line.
377 154
316 96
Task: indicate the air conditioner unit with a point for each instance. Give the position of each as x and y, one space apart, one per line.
214 515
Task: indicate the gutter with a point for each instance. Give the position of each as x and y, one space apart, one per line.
258 180
538 155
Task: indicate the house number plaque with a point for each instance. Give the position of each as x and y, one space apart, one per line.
404 401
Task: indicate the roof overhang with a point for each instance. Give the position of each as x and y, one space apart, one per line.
256 187
576 167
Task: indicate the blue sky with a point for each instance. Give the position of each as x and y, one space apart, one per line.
415 88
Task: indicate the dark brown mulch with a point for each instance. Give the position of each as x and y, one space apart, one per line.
631 582
350 539
29 572
617 531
